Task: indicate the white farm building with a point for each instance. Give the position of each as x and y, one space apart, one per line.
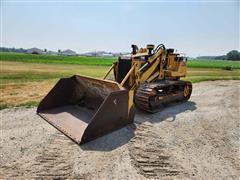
68 52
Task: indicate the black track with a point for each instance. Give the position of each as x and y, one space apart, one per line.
153 96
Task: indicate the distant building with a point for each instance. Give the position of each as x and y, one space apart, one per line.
35 51
106 55
52 53
68 52
98 54
87 54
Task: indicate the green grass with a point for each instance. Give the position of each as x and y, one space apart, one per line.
29 104
4 106
25 84
198 79
213 64
103 61
55 59
28 77
26 105
19 72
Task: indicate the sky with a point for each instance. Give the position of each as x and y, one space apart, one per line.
195 28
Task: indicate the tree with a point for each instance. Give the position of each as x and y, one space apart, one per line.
233 55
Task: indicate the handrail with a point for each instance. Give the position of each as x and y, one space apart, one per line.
108 72
127 76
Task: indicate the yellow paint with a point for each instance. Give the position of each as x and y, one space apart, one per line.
130 100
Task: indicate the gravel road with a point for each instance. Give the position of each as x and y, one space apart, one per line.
196 140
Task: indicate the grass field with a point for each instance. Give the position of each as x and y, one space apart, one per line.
25 84
203 63
25 79
55 59
102 61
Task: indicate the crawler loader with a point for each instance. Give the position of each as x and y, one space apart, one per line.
84 108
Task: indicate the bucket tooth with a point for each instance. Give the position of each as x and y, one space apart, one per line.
85 108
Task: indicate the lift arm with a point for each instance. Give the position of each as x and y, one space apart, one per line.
152 71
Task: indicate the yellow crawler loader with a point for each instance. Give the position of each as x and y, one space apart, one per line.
84 108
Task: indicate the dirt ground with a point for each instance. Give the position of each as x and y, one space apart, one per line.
195 140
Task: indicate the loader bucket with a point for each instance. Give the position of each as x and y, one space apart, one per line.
85 108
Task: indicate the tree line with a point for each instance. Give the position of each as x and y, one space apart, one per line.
233 55
17 50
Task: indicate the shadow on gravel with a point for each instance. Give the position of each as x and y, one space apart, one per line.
168 112
112 140
124 135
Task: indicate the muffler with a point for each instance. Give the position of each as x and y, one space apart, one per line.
85 108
